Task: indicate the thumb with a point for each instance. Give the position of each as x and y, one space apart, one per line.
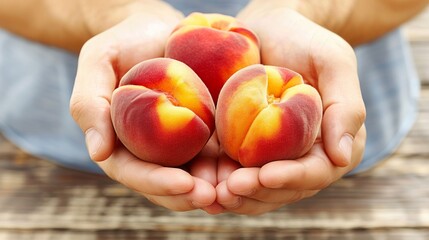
340 125
90 100
93 117
344 109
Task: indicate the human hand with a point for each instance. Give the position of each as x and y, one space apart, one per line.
179 189
326 62
103 60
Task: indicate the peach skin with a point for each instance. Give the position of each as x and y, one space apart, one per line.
267 113
162 112
215 46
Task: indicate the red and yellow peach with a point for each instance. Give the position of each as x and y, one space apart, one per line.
215 46
162 112
267 113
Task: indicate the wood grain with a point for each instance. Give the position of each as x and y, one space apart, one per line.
390 234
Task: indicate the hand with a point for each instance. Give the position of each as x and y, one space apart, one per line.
102 62
328 63
177 189
254 191
204 166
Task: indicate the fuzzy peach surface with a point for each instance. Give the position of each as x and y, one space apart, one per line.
267 113
215 46
162 112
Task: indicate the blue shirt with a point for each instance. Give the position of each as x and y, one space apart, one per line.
36 83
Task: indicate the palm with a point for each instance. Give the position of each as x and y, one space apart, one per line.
328 63
102 62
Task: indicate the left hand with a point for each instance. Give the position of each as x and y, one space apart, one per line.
326 62
103 61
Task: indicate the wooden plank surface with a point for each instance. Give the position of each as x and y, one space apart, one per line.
384 234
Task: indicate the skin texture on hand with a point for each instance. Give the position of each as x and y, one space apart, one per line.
328 63
356 21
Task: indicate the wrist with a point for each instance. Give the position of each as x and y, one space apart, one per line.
330 14
100 15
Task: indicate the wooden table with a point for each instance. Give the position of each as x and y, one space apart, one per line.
39 200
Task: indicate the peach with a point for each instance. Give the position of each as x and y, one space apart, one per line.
215 46
162 112
267 113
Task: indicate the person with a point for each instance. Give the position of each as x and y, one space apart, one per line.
369 93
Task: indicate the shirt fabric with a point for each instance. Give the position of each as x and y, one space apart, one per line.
36 83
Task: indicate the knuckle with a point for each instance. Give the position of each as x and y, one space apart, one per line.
179 206
325 182
360 113
77 107
82 108
324 179
151 199
298 195
101 47
308 194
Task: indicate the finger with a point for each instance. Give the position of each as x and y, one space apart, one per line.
225 167
90 100
204 165
202 195
254 207
251 206
245 182
281 196
146 177
204 168
241 205
214 209
314 171
211 149
226 198
338 84
102 62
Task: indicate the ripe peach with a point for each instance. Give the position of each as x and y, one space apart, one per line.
267 113
215 46
162 112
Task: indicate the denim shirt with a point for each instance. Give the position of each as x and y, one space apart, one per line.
36 83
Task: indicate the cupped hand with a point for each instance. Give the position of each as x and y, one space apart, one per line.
103 60
179 189
254 191
326 62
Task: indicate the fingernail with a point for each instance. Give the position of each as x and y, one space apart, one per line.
346 144
93 141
